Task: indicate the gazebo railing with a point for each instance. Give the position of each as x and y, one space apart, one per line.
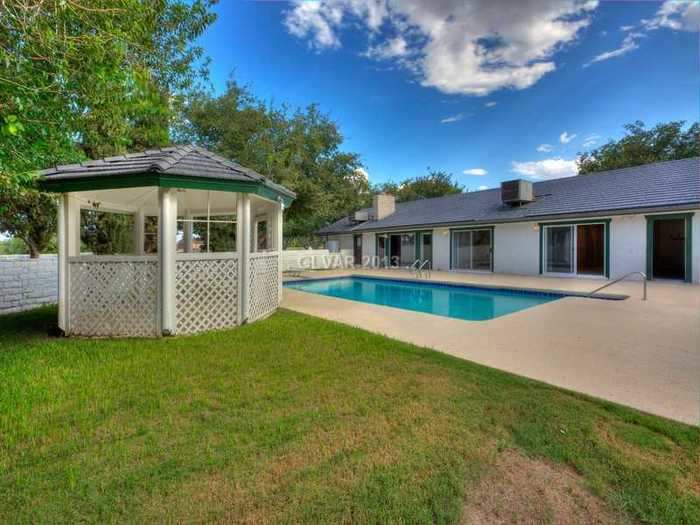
113 295
206 291
263 284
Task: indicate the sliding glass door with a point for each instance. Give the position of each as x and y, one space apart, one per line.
472 250
575 249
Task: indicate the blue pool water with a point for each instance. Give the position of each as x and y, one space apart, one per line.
462 302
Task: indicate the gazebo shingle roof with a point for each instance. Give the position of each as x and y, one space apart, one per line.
184 161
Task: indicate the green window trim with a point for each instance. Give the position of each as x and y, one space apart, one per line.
605 222
688 248
139 180
492 228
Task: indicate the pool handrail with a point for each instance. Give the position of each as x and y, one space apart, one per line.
644 280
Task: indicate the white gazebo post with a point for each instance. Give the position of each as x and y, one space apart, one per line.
243 248
187 232
167 239
68 246
279 244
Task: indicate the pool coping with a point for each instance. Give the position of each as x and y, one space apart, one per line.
525 291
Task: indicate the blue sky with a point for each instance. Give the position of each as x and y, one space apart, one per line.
459 85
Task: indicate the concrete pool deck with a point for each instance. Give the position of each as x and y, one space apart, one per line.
644 354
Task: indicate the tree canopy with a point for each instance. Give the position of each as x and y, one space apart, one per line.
640 145
435 183
300 149
84 79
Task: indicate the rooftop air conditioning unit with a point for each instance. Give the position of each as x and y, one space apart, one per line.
516 191
361 216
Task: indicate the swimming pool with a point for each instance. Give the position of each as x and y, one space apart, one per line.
449 300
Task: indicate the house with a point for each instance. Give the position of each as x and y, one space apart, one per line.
606 224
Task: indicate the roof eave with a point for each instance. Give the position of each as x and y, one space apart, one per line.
531 218
262 188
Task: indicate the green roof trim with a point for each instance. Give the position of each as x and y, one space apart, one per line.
163 180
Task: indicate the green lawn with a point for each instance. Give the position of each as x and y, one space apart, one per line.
296 419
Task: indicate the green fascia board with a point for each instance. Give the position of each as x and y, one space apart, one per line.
109 182
688 218
605 222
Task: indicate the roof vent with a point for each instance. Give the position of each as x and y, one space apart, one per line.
361 216
517 191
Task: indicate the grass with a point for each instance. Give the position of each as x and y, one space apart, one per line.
297 419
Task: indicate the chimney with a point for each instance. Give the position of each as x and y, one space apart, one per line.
383 205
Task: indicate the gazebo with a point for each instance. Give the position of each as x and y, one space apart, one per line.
207 244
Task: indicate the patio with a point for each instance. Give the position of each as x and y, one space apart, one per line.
644 354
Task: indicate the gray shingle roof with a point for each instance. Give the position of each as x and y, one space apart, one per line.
663 185
191 161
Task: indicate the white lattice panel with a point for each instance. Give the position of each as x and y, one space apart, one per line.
264 285
206 294
114 297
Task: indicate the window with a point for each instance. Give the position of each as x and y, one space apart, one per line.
262 235
427 247
150 235
575 249
216 234
408 249
106 233
472 250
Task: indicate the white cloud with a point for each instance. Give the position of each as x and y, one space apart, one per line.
591 140
676 15
565 138
453 118
482 188
479 172
545 169
474 47
545 148
490 104
362 173
629 43
394 48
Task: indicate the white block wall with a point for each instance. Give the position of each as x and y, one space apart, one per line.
345 241
27 283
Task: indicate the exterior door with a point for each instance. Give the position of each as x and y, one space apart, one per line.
382 250
472 250
357 249
426 247
668 258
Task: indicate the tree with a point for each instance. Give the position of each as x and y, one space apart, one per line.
27 214
300 149
665 141
88 79
436 183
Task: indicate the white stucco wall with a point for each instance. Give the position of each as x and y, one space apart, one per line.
441 249
628 245
516 248
517 245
